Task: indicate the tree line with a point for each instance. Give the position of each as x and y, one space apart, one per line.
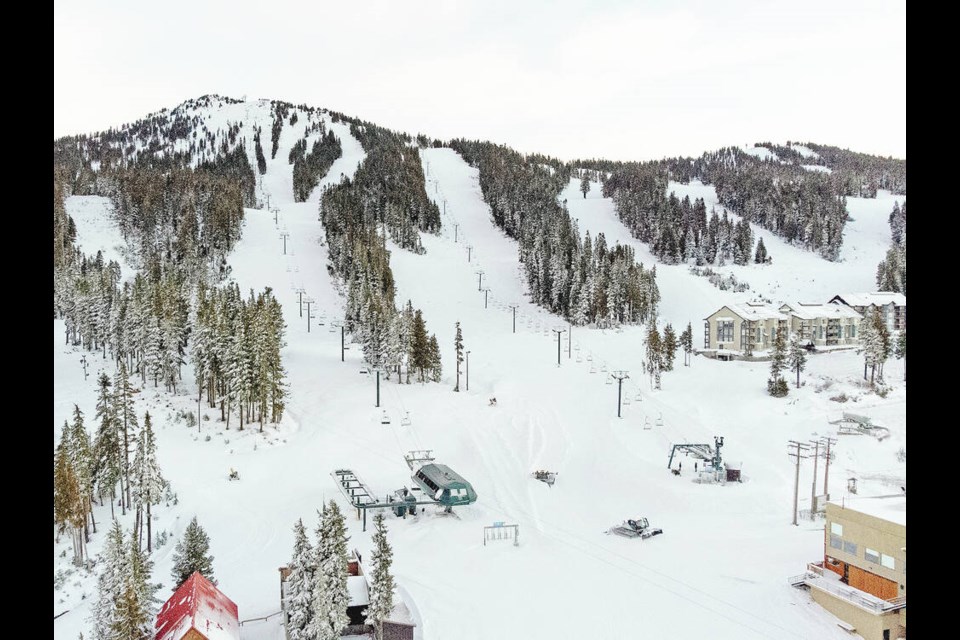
579 278
892 270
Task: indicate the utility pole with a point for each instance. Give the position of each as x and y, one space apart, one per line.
796 481
514 307
813 485
455 225
275 212
619 376
469 249
558 332
444 206
378 387
569 340
83 361
826 468
300 292
485 292
479 285
468 371
284 235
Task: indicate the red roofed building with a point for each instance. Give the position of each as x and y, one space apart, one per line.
198 611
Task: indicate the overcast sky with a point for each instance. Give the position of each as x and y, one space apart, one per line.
594 78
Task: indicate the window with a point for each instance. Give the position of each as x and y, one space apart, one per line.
887 561
853 331
850 547
871 556
836 542
759 337
836 528
724 330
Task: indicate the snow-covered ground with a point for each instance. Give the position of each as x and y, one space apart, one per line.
726 552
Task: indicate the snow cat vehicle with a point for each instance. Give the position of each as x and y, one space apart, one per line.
548 477
639 528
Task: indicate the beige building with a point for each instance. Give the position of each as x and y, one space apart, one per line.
823 325
740 329
863 576
892 306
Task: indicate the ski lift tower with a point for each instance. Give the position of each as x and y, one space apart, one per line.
704 452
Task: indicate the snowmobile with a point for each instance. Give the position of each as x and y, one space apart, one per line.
639 528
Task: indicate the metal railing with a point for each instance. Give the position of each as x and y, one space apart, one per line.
813 578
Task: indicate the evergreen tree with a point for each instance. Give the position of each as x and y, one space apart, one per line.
797 358
585 184
761 256
149 482
776 385
332 563
126 418
458 348
901 351
686 341
135 607
381 581
69 505
654 359
669 347
110 583
299 597
81 454
192 554
419 346
108 452
436 365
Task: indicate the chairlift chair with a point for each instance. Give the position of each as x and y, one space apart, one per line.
646 424
660 420
609 380
405 420
385 419
626 400
593 369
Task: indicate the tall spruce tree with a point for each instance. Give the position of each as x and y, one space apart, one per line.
148 480
110 583
686 341
654 355
332 562
381 581
299 597
126 418
669 347
760 257
776 385
192 554
81 454
797 358
108 448
585 184
901 351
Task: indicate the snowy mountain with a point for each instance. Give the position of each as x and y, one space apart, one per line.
726 551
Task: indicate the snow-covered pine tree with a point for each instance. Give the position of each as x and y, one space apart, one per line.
866 333
419 345
776 385
333 563
137 604
107 447
585 184
669 347
81 453
148 481
761 255
126 417
192 554
654 358
797 357
69 508
458 349
686 341
110 583
436 365
299 596
381 581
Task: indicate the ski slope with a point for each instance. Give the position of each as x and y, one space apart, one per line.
726 552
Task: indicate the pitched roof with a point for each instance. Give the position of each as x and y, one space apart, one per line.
756 311
878 298
357 587
813 311
199 605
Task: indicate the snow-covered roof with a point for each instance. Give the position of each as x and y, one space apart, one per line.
199 605
879 298
892 509
813 311
756 311
357 587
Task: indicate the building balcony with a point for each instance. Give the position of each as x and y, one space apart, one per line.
828 582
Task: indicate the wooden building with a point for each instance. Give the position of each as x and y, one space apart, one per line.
198 611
